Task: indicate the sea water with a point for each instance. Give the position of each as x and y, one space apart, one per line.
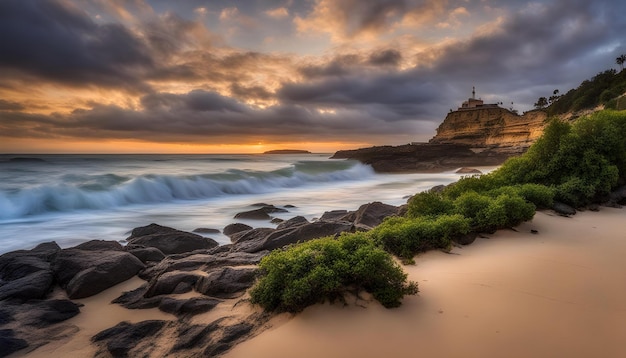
75 198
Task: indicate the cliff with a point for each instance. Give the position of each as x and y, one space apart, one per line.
493 127
476 136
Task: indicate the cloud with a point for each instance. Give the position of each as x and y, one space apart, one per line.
53 41
278 13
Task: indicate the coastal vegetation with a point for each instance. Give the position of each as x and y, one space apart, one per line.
575 163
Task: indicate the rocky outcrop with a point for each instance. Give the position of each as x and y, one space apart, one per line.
491 127
169 240
466 138
424 157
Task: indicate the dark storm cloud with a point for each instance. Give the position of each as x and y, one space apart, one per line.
390 57
553 46
49 40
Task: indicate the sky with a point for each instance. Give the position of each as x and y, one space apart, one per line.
245 76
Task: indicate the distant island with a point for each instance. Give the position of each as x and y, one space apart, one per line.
287 151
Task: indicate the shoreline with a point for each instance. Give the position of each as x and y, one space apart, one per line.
516 294
478 300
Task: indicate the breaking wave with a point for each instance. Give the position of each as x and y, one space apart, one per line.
112 191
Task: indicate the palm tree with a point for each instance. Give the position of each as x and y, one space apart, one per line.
621 60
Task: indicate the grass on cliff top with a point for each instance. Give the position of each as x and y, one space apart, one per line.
576 163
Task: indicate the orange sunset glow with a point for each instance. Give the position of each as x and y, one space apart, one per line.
155 76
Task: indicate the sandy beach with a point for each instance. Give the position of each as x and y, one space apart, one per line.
557 293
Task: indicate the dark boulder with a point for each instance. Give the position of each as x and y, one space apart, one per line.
48 312
26 274
226 282
235 228
85 273
258 214
168 282
293 222
254 234
334 215
190 307
373 214
466 170
146 254
9 343
169 240
563 209
618 196
100 245
289 236
277 220
204 230
124 336
32 286
466 239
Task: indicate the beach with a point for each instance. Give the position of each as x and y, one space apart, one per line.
557 293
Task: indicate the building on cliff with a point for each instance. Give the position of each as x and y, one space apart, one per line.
473 103
481 125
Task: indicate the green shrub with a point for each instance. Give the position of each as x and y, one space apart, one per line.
540 195
324 269
487 214
405 237
429 204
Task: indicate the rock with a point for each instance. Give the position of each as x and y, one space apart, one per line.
202 262
9 343
190 307
373 214
563 209
466 170
254 234
100 245
146 254
618 196
428 157
168 282
258 214
289 236
289 206
45 313
227 282
204 230
123 337
333 215
277 221
26 274
32 286
594 207
534 232
47 247
169 240
235 228
84 273
5 316
437 188
194 336
230 336
293 222
466 239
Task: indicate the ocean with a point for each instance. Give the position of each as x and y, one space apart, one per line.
75 198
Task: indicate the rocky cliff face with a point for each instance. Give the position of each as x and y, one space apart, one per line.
491 127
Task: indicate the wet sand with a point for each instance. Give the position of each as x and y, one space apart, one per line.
558 293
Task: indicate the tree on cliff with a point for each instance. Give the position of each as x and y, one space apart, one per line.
621 60
541 103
